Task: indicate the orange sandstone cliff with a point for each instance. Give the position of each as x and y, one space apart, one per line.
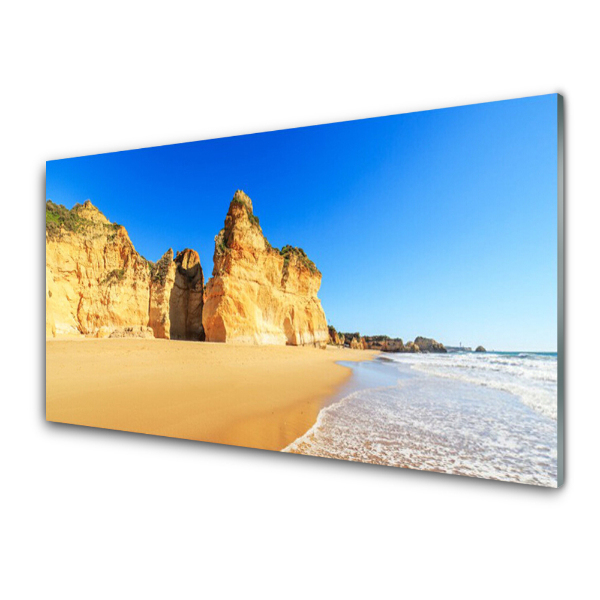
258 294
98 285
177 296
187 298
95 279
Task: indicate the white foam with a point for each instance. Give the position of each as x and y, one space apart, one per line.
293 447
457 425
529 376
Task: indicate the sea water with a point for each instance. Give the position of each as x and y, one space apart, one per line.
489 415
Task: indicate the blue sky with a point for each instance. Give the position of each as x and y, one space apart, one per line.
440 223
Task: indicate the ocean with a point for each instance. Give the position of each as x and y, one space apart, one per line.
489 415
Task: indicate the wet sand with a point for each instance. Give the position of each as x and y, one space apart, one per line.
255 396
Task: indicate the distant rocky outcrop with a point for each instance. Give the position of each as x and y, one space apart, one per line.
258 294
384 343
429 345
393 345
480 349
97 284
334 337
358 343
353 340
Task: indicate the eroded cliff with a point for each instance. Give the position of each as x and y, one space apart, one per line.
94 276
186 301
258 294
97 284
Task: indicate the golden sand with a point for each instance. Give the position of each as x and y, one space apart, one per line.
256 396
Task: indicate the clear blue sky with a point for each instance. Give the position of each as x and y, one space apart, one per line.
440 223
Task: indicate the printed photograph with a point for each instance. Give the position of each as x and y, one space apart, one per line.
381 291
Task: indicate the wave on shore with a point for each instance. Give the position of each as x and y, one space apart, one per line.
531 376
491 416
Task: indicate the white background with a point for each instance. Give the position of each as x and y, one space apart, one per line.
93 514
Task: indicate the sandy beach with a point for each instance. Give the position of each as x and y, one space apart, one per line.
257 396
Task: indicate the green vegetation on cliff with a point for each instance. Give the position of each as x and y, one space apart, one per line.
59 217
240 199
220 243
114 276
160 269
288 251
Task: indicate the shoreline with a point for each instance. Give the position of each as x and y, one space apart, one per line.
365 376
262 397
398 416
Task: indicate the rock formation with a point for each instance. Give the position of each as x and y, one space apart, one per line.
258 294
161 286
334 337
480 349
98 285
429 345
394 345
187 298
177 296
94 276
353 340
357 343
384 343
